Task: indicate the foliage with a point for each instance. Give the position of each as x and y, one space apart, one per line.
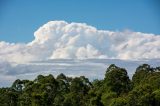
116 89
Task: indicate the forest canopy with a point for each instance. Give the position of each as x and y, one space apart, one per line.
116 89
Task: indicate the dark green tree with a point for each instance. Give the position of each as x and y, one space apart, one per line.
117 80
141 72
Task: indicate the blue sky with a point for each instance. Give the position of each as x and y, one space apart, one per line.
19 19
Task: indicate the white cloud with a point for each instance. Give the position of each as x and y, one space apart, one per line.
62 40
59 39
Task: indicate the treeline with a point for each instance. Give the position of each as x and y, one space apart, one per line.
116 89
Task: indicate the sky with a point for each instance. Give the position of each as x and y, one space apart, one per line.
19 19
76 37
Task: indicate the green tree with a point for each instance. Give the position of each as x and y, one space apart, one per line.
141 96
141 72
114 90
117 80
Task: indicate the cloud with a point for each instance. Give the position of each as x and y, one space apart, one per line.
91 68
12 52
59 39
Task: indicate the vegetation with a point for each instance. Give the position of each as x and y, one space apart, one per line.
116 89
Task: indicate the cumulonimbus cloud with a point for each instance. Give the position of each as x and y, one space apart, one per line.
59 39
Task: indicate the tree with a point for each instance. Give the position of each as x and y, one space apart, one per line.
17 85
141 96
156 95
117 80
141 72
120 101
114 90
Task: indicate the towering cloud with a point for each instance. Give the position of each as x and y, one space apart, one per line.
59 39
62 40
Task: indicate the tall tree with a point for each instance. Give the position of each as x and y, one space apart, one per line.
117 80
